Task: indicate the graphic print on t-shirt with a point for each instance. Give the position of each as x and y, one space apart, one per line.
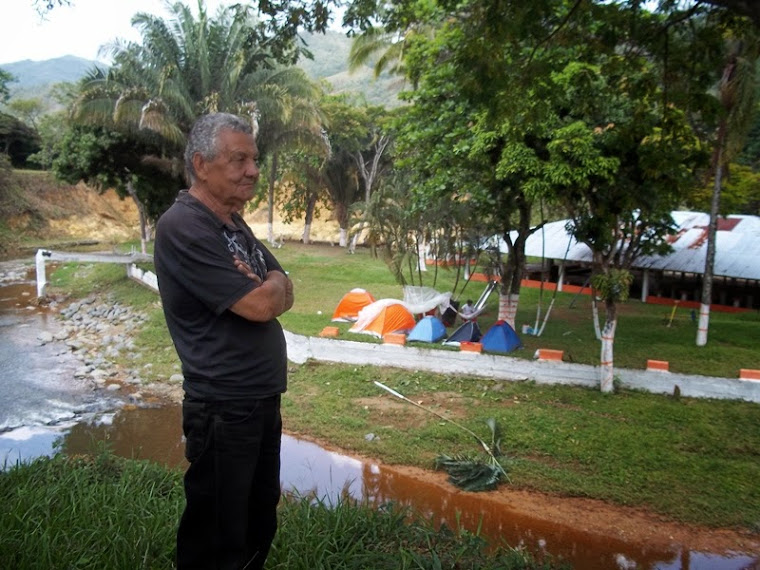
254 258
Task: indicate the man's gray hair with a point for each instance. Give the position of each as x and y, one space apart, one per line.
204 135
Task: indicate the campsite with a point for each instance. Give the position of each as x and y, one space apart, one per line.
646 331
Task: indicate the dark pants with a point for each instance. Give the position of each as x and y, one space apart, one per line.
232 486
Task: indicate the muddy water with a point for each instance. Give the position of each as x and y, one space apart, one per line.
308 468
59 414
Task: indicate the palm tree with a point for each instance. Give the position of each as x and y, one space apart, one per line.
386 47
290 118
188 66
737 95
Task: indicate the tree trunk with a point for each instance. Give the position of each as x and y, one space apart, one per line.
511 279
508 307
595 315
270 199
341 212
355 238
422 254
707 279
142 213
608 340
309 218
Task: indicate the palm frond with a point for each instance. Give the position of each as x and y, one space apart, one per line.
471 474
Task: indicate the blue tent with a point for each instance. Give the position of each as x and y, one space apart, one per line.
428 329
500 338
468 332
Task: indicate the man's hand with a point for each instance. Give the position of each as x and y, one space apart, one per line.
246 270
269 300
287 284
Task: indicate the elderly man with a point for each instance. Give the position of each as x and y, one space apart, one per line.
222 292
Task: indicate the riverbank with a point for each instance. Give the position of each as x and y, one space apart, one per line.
667 456
43 502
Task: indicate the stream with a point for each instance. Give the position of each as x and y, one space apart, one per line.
46 409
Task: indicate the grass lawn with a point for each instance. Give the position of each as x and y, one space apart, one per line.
323 274
689 460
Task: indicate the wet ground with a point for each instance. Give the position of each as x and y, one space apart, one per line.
44 409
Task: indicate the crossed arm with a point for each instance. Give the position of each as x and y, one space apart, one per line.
269 300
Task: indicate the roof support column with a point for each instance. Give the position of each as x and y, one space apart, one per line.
644 285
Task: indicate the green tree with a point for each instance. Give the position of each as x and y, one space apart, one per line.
289 118
739 194
110 159
580 102
185 67
5 79
623 156
302 187
17 140
346 131
28 111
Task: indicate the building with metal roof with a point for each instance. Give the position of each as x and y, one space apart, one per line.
677 274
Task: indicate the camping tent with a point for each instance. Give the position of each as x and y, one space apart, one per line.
352 302
468 332
500 338
382 317
428 329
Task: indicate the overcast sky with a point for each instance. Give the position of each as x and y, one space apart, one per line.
79 29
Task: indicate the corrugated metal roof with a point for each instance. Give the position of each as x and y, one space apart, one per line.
737 246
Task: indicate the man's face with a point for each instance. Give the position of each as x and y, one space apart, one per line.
231 177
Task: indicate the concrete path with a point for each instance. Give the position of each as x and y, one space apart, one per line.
302 348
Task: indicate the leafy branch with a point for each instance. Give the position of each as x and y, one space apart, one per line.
468 473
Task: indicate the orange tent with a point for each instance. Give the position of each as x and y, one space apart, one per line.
350 305
382 317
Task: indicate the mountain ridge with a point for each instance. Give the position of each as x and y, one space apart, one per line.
330 64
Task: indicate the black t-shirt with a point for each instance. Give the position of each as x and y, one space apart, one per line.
223 355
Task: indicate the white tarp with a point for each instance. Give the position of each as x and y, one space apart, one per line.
420 300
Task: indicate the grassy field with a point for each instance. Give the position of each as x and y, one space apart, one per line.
105 512
688 460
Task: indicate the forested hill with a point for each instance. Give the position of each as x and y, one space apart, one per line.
31 75
330 63
330 51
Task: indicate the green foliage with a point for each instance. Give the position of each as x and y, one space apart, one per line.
740 192
27 110
613 285
17 140
106 158
470 473
185 67
5 78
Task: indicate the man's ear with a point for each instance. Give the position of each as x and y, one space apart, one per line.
200 165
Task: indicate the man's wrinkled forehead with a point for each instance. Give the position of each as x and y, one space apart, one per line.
236 143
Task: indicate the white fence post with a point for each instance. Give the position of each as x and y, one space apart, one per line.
39 261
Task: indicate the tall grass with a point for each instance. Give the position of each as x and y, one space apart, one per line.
105 512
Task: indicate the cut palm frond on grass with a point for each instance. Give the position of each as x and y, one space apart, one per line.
467 473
